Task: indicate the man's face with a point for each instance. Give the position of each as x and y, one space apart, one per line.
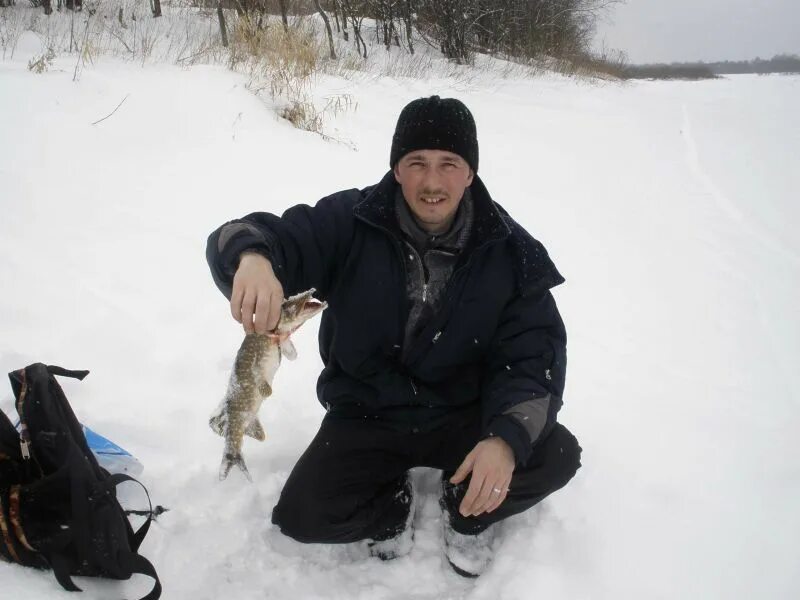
433 183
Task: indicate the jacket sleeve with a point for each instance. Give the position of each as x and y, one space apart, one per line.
524 378
306 245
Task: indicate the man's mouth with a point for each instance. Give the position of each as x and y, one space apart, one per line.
432 199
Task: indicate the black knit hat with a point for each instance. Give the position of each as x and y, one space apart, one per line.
436 124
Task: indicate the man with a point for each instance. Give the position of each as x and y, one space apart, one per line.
442 345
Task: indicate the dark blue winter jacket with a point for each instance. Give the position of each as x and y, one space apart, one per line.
496 347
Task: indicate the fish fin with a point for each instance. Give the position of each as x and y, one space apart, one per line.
217 423
288 349
228 461
265 389
256 431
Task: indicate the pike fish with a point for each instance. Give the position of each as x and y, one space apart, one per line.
256 362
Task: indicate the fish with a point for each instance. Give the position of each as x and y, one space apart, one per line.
251 379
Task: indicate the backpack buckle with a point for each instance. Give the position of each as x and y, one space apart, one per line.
25 447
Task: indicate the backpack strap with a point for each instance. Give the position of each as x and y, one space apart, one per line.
54 370
139 564
144 567
138 537
61 567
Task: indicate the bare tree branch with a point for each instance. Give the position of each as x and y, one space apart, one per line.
112 112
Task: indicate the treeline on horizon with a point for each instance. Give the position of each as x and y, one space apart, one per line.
780 63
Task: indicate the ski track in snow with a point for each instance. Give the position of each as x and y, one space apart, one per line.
721 200
751 229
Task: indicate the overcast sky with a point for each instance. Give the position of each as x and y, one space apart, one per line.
710 30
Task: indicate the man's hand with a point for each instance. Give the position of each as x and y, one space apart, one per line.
257 294
491 463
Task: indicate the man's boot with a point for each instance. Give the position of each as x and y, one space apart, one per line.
397 543
469 555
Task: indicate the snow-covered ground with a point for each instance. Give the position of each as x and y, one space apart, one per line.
671 208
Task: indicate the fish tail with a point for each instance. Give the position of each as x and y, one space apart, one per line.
228 461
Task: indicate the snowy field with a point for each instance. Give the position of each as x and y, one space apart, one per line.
671 208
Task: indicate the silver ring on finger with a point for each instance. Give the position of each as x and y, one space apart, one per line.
497 491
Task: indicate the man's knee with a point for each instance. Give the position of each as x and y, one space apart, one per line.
569 451
559 456
312 514
299 523
305 518
553 463
307 513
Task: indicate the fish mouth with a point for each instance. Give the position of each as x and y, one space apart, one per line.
307 305
311 307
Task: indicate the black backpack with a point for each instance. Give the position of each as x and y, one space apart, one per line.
58 507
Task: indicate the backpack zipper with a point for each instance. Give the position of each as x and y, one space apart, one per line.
24 435
25 448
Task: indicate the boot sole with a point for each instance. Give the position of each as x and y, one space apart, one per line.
462 572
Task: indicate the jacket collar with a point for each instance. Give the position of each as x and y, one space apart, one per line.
452 240
533 267
377 208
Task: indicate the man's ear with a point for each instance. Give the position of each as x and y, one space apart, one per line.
471 177
396 172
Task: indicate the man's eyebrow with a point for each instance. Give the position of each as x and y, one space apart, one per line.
415 157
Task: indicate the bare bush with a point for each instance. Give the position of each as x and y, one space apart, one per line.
11 28
42 63
607 64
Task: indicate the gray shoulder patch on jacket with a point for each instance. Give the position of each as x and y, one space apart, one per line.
531 414
232 229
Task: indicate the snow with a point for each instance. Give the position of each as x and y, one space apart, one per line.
671 208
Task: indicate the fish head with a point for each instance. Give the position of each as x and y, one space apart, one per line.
298 309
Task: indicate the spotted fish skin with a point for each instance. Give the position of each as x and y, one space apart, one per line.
251 379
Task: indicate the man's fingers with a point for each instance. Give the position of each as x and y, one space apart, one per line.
274 313
257 310
257 294
498 498
484 498
248 306
463 470
472 498
236 303
492 467
260 320
467 504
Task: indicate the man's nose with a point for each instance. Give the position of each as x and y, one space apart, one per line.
431 180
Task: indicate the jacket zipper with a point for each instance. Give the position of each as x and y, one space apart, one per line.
423 271
447 292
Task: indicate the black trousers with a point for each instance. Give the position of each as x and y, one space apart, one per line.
351 482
